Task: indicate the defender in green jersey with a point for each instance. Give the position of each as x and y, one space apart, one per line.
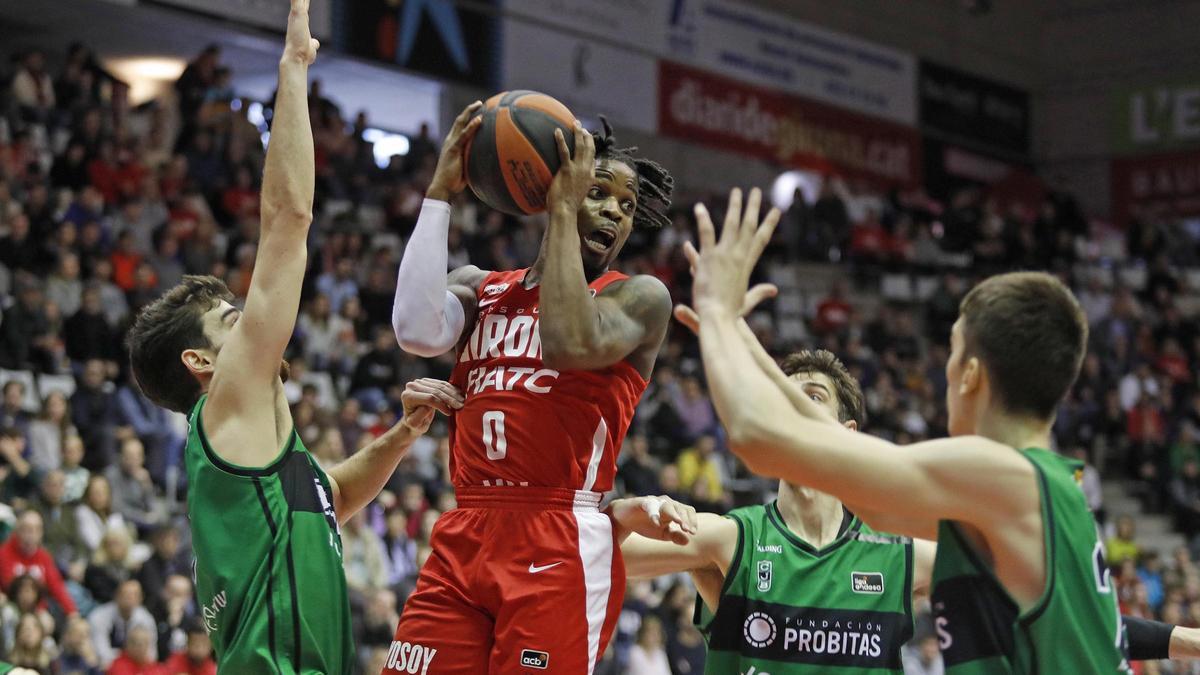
799 585
1015 588
264 516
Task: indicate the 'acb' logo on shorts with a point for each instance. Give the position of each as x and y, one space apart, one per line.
535 659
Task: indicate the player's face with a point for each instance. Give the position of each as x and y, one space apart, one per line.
819 388
606 215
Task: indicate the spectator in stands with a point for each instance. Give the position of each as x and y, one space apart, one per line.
694 409
16 474
111 565
925 658
62 537
134 495
76 477
26 340
64 286
48 433
363 557
137 657
338 285
32 647
1185 498
29 597
177 610
638 470
78 655
94 413
153 427
701 463
1121 546
113 622
833 313
377 371
197 657
89 333
32 88
23 553
378 622
647 656
159 567
830 217
400 551
19 250
95 511
12 411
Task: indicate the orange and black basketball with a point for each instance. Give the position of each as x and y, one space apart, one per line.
512 157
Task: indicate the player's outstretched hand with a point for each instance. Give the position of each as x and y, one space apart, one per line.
655 518
423 397
299 43
575 174
723 267
450 176
753 298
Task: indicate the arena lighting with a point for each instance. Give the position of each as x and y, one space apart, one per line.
386 144
147 76
784 188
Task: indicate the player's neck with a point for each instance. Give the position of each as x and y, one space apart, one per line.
813 516
1015 431
534 276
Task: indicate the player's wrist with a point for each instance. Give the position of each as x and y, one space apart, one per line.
439 192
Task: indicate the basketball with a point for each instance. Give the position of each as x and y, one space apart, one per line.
512 157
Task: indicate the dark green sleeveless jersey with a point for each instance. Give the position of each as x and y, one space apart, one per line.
269 577
1075 627
789 608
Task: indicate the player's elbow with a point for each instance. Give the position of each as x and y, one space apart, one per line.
419 344
562 354
287 213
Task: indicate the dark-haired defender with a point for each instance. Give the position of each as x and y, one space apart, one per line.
265 518
552 360
1019 580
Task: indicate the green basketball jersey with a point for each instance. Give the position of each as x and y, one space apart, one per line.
269 577
1075 627
789 608
5 667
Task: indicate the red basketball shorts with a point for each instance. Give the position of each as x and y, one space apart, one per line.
520 580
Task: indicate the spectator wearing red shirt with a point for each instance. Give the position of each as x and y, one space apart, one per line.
197 659
137 657
1173 362
125 261
103 172
23 553
834 311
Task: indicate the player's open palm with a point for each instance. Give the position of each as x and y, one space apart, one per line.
659 517
426 396
575 174
299 42
723 266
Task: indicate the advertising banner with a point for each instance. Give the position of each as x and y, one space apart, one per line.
1166 117
969 108
752 45
791 131
590 77
271 14
1169 183
435 37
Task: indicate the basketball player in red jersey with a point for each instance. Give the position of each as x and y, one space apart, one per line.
552 359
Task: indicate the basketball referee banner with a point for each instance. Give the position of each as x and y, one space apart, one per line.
697 106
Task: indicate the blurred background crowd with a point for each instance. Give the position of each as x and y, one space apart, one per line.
103 206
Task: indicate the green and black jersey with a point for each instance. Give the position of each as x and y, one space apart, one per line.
269 577
1075 627
787 608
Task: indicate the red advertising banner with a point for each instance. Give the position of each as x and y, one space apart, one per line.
1167 184
698 106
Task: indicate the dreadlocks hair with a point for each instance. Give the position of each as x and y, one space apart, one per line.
654 185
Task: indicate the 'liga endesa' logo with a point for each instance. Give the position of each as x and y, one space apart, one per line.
759 630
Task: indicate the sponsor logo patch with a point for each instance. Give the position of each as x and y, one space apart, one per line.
759 630
493 289
531 658
867 582
764 576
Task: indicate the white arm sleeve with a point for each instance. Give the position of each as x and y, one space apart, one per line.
427 317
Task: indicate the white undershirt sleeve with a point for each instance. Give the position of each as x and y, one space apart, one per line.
427 318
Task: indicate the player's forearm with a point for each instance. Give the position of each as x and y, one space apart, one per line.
361 477
426 318
1185 643
646 558
289 175
569 318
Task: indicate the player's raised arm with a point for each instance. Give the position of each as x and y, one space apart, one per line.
430 310
254 348
786 438
579 330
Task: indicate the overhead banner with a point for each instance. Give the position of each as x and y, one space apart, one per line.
972 109
590 77
1168 183
435 37
1165 117
697 106
271 14
752 45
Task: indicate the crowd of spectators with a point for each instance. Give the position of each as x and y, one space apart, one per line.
103 205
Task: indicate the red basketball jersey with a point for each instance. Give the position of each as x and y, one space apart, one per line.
526 424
